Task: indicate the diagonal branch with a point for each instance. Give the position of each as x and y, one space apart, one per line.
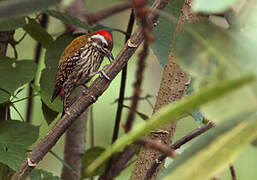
85 99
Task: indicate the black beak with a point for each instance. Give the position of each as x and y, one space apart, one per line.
109 55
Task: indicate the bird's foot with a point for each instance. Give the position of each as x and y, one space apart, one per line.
103 74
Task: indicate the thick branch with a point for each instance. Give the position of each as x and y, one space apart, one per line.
74 147
173 87
84 100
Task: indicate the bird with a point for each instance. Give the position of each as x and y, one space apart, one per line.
80 61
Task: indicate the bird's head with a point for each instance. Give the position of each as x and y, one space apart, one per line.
102 40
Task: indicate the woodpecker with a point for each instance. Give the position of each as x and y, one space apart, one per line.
80 61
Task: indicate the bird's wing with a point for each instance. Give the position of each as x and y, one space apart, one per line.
67 62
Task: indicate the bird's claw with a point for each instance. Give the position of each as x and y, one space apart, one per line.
103 74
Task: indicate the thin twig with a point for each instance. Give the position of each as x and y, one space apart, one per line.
130 98
158 145
233 172
84 100
93 18
137 88
178 144
122 92
123 83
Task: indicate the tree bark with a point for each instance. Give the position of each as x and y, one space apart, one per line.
173 87
74 148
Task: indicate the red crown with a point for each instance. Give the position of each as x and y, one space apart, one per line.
104 33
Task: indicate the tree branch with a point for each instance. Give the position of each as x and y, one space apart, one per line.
85 99
232 171
123 83
173 87
195 133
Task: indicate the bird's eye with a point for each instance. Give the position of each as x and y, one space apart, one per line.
105 46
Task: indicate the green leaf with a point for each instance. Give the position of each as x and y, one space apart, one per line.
15 137
4 96
39 174
220 151
12 23
47 80
163 33
214 54
14 74
217 6
89 156
37 32
171 113
48 113
67 19
21 7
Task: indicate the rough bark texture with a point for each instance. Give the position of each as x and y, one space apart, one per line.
74 148
173 87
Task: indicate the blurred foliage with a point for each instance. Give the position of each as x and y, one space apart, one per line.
16 8
89 156
171 113
163 33
14 74
12 23
15 137
67 19
36 31
219 157
211 54
39 174
213 6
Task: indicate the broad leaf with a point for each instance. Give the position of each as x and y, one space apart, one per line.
15 137
14 74
217 6
47 81
67 19
222 145
214 54
171 113
48 113
12 23
163 33
37 32
39 174
89 156
21 7
4 96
